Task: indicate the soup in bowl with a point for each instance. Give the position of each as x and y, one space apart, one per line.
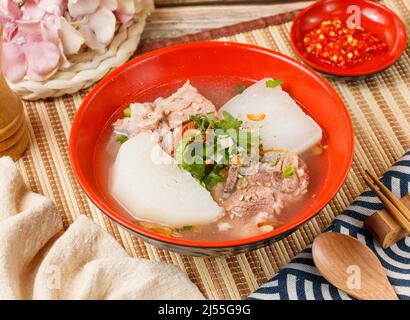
211 148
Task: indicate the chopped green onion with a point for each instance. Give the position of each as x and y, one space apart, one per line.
122 138
127 112
288 171
241 88
271 83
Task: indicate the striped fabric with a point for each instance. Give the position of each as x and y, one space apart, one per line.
300 280
378 106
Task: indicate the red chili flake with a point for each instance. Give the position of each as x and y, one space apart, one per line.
334 43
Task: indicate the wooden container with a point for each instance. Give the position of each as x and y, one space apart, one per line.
13 127
384 228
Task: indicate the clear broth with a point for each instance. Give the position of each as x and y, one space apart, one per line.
218 90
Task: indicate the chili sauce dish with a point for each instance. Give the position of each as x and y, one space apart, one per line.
348 38
211 148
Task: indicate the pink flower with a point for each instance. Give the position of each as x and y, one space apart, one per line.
33 51
99 21
32 45
39 35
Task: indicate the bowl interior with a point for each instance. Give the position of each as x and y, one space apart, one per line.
160 72
376 18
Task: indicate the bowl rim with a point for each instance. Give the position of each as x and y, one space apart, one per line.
401 42
125 223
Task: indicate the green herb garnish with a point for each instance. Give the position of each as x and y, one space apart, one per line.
206 174
184 228
241 88
127 112
185 156
228 122
272 83
210 152
209 121
212 179
288 171
122 138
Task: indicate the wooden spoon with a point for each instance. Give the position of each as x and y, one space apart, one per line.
351 266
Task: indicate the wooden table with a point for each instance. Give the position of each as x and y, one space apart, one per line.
174 18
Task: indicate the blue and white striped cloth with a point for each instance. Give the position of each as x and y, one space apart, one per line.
300 280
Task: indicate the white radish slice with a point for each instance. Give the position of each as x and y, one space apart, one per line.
148 183
283 124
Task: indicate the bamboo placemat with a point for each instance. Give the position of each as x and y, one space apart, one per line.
379 108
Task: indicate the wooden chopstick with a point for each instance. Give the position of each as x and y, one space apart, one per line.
405 211
395 212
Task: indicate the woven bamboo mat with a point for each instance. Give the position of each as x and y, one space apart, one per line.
379 108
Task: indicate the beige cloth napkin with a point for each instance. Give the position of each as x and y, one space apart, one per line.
38 260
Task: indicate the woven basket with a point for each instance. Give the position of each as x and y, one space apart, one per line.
88 67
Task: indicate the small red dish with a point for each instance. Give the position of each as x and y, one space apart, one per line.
375 18
167 68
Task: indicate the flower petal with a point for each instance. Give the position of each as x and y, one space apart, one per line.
125 11
32 30
9 9
51 33
102 23
71 39
32 11
40 30
78 8
9 28
109 4
14 62
42 59
55 7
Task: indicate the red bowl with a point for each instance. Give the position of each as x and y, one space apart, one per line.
147 76
376 18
